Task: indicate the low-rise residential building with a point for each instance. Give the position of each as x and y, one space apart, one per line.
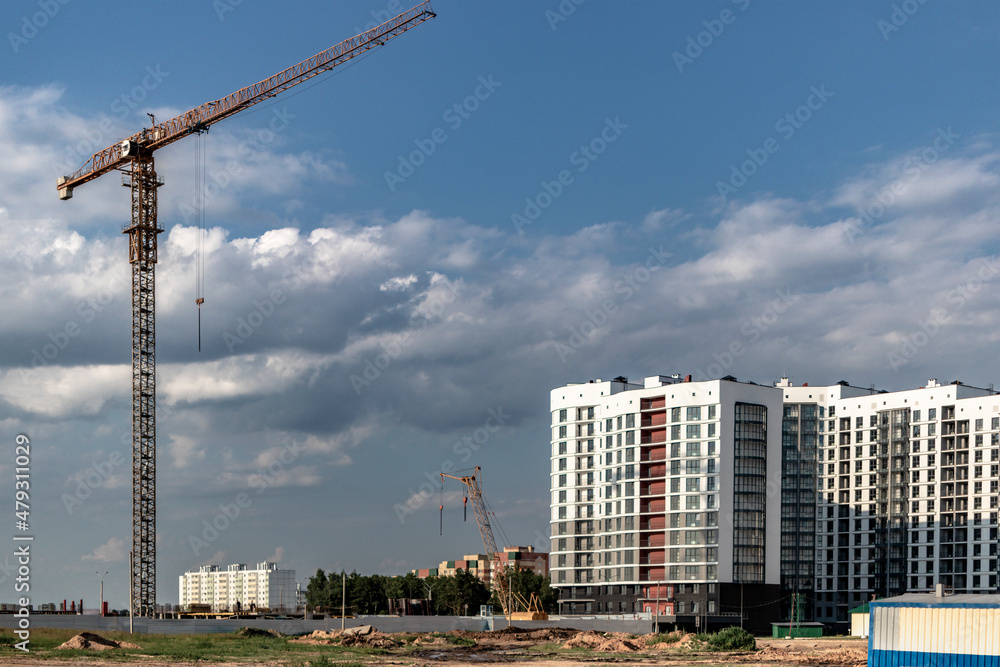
264 587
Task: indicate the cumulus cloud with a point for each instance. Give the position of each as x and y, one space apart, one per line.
112 551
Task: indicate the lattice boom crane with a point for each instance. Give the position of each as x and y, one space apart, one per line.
134 157
498 576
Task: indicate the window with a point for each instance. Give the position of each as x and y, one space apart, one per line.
693 431
694 414
711 413
711 449
562 431
562 480
562 415
692 502
711 430
932 414
693 448
711 466
675 414
693 484
693 519
691 572
675 432
693 467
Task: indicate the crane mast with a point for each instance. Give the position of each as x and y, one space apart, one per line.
489 543
134 157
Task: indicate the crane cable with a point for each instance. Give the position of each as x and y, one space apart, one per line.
199 202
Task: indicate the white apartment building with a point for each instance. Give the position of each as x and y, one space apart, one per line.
265 587
907 491
664 496
699 498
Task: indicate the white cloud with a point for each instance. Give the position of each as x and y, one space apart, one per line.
112 551
56 391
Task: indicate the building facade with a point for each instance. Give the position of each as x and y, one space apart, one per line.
660 497
524 558
263 588
670 495
907 492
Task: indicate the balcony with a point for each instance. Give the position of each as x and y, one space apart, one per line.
654 436
652 471
653 541
654 454
657 506
652 488
653 419
653 523
653 403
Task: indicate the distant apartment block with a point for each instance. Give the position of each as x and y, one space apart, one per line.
265 587
701 501
524 558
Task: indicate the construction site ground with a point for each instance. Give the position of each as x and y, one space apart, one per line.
554 647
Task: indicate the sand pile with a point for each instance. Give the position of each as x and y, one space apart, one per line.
90 641
774 653
375 639
847 656
613 642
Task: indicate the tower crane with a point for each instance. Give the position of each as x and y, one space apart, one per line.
134 157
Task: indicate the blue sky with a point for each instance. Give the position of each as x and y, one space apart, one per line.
862 215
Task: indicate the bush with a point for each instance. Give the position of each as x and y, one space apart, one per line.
731 639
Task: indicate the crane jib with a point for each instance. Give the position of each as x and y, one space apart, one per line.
200 118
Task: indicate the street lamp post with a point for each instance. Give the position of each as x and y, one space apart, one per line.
102 591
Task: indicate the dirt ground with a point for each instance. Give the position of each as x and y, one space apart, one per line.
552 647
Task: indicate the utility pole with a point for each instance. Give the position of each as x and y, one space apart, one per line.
343 599
102 590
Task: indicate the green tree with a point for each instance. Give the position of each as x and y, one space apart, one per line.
454 595
316 590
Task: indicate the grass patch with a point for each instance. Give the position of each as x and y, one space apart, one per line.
664 638
185 647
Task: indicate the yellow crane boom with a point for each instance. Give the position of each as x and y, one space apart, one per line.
498 576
